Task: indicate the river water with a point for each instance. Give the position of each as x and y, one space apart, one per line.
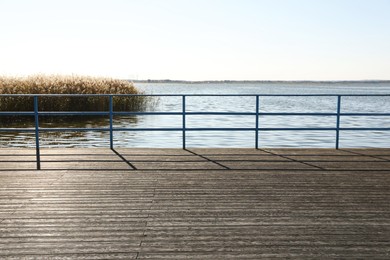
237 104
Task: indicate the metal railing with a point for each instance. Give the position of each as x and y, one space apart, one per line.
184 129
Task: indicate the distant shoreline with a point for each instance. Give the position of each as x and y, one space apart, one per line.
259 81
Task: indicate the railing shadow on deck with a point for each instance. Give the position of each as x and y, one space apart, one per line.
225 160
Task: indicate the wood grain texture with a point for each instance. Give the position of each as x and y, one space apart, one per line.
195 204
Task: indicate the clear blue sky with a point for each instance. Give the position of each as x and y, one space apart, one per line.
197 39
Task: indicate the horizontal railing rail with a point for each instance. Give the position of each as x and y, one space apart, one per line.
184 113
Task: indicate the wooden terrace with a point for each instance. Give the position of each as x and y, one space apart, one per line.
195 204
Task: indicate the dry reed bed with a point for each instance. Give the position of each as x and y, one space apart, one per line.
42 84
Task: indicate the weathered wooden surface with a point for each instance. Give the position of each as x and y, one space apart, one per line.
195 204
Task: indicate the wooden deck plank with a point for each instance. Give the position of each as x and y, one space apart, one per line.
195 204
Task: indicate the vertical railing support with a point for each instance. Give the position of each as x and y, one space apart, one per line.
184 120
257 123
338 121
111 108
37 150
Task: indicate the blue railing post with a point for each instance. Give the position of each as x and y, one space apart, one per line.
37 150
338 121
184 120
257 123
111 108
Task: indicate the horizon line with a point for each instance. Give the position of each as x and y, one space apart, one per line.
257 81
